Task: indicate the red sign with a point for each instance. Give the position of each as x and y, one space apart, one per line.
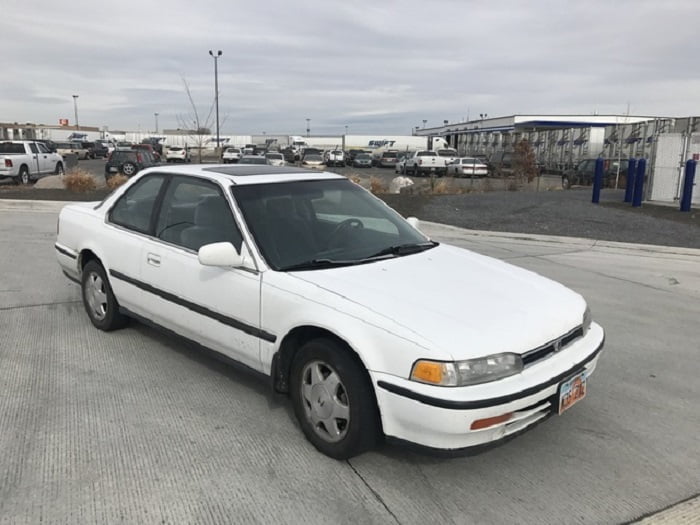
63 122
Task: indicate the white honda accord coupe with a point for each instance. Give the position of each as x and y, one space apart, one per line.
373 329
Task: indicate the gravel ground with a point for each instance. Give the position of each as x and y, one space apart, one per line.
567 213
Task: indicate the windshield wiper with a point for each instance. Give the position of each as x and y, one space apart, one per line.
405 249
316 264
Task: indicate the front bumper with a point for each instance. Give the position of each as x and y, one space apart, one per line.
441 417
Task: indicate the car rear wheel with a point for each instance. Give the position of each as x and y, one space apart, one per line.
99 301
23 176
129 169
59 169
333 399
566 182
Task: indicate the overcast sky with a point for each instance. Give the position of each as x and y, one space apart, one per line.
378 66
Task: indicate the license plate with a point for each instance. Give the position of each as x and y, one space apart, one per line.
113 170
572 391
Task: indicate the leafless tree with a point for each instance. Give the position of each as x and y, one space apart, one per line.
197 127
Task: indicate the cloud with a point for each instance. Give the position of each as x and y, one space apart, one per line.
375 67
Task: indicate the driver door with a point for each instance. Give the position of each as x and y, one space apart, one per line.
217 307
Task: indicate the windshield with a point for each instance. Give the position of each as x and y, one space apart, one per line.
323 223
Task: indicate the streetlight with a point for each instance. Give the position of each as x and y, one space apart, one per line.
216 91
346 129
308 127
424 122
75 108
156 115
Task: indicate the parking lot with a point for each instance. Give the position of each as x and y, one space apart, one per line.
134 426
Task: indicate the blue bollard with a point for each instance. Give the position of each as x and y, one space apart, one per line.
631 167
639 183
597 181
688 182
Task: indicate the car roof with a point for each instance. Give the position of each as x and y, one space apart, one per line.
246 174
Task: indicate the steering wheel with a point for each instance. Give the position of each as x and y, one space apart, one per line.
342 229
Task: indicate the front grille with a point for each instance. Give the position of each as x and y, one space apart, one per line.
549 349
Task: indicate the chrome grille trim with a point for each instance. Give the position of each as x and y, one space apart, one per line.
552 347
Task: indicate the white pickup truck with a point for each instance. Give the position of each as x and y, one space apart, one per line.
27 160
424 162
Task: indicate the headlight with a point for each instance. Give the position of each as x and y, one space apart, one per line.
587 318
468 372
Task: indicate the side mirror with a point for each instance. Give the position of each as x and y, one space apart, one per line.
413 221
221 254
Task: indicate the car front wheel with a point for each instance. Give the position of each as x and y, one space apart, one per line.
99 301
333 399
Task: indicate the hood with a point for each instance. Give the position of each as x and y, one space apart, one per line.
457 301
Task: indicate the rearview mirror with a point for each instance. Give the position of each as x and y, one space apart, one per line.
220 254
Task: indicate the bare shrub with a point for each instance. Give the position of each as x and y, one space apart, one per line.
116 180
356 180
441 188
524 162
377 186
79 181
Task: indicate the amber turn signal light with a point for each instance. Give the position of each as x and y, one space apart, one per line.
490 421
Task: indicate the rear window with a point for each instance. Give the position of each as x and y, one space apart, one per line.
390 155
427 154
124 155
175 149
447 153
9 148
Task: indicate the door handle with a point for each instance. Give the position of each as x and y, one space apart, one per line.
153 259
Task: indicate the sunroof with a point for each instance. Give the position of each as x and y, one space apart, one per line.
254 169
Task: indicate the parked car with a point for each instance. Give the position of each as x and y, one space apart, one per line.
26 160
275 159
371 328
467 167
313 161
424 162
149 148
400 165
362 160
72 148
252 159
177 154
351 154
583 173
231 155
290 155
388 159
501 164
128 162
311 151
98 149
335 157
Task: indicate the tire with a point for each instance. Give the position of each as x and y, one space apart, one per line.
23 177
341 422
98 299
129 169
565 182
59 169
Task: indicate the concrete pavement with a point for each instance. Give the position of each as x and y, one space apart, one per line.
133 426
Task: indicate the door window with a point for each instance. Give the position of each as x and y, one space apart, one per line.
194 213
134 209
42 148
33 148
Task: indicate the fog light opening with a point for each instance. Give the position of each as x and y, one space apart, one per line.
490 421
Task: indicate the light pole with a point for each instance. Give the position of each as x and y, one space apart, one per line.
346 129
75 108
424 123
216 91
156 115
308 127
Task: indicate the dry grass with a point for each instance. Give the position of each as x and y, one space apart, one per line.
377 186
79 181
356 179
116 180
